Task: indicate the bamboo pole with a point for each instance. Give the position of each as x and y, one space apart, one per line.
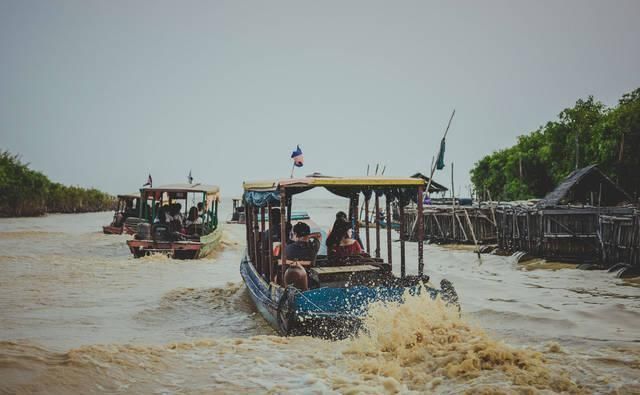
453 207
377 221
473 233
420 230
433 168
388 207
403 269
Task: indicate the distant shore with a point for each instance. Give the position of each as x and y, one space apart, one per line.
29 193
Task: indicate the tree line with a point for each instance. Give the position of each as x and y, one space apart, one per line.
584 134
26 192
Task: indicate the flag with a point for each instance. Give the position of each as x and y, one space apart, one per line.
298 158
190 178
440 162
149 181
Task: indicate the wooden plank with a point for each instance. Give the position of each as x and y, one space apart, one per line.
344 269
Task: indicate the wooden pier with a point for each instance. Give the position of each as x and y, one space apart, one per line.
620 237
570 234
454 224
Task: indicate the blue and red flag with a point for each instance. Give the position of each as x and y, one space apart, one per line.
298 158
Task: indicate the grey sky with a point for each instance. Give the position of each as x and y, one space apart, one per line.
100 93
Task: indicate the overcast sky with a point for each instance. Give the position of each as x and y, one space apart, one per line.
101 93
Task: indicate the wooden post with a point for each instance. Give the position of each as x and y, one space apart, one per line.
250 235
247 228
270 246
283 232
402 246
453 207
366 224
377 220
256 234
473 233
264 261
355 223
388 204
420 230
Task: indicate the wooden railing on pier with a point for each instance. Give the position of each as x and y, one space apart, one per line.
620 239
600 235
444 224
568 234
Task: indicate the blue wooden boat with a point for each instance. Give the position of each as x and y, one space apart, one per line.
327 295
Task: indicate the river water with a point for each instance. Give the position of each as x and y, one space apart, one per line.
79 315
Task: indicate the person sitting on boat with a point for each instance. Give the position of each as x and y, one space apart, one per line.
129 211
341 216
193 218
340 242
274 227
201 210
302 248
176 214
162 215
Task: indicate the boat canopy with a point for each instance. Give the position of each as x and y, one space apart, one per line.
177 189
263 193
129 196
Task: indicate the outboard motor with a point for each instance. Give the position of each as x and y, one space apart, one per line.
143 231
297 277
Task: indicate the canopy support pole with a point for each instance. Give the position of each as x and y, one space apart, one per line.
256 233
377 220
403 269
263 255
250 235
270 249
283 232
366 224
420 230
388 204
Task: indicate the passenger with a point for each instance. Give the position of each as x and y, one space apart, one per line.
200 210
161 216
274 227
176 214
193 218
132 210
301 248
341 216
340 243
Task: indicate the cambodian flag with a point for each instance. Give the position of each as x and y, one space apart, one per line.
298 158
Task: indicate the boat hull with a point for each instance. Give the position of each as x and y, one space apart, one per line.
177 249
112 230
333 313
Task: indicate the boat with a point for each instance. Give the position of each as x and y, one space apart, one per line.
237 215
125 216
175 241
330 299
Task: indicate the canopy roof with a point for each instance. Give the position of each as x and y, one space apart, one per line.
128 196
322 181
263 193
202 188
434 187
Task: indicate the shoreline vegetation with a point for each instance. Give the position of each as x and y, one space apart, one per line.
585 134
29 193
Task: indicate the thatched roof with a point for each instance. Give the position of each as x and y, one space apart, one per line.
589 186
434 187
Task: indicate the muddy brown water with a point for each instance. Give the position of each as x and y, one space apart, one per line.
79 315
